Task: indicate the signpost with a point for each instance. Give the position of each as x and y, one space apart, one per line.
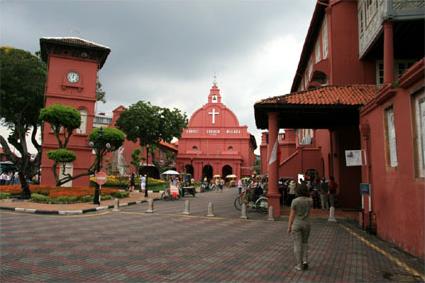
100 180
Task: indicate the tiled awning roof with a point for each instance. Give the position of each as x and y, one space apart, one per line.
324 107
327 95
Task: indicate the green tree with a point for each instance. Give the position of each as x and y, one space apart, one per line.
103 140
149 124
136 159
22 79
100 93
63 120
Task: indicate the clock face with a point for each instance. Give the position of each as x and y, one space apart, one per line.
73 77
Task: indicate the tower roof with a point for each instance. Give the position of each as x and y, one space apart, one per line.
76 47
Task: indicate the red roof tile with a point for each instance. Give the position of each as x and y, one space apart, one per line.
327 95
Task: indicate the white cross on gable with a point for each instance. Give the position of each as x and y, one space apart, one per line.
213 113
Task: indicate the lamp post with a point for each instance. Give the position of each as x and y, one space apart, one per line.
99 146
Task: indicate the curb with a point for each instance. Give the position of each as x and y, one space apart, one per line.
67 212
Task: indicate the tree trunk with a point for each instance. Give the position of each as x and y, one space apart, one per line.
26 193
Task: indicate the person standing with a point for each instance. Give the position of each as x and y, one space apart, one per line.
291 191
332 190
299 225
132 182
324 191
142 183
240 186
146 186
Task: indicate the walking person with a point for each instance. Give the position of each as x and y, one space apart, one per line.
324 191
332 190
299 225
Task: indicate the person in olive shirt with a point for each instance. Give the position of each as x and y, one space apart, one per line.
299 225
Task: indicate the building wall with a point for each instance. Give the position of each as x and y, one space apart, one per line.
397 192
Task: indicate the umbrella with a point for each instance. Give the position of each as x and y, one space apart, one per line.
231 176
170 172
217 176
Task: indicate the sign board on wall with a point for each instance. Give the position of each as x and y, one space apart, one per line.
355 158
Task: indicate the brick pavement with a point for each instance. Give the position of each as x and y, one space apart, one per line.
132 246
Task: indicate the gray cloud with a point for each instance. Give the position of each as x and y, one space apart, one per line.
168 51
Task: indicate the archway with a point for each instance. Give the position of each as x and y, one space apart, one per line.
227 170
189 169
207 171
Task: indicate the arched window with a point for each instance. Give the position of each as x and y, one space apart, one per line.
230 148
194 148
83 126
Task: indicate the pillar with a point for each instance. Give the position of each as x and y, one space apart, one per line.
272 163
388 53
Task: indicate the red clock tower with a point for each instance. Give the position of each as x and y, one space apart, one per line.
72 72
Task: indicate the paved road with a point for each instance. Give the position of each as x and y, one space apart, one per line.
132 246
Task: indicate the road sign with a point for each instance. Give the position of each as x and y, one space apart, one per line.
100 178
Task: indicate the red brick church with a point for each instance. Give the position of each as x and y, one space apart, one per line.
214 143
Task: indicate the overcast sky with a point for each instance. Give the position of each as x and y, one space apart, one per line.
167 52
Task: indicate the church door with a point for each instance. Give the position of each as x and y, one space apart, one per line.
207 171
227 170
189 169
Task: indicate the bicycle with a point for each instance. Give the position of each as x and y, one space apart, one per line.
260 205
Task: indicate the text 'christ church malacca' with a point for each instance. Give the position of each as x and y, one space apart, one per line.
214 143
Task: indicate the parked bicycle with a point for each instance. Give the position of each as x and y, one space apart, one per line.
259 204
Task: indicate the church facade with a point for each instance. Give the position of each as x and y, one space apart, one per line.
214 143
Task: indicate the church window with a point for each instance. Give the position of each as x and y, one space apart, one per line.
317 51
419 112
391 137
83 126
325 38
195 148
230 148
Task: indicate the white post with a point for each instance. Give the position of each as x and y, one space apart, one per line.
243 211
210 209
186 207
271 217
332 214
150 206
116 205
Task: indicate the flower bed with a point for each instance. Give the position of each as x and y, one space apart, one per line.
48 194
123 183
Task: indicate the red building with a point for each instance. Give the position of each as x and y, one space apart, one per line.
72 65
214 143
359 86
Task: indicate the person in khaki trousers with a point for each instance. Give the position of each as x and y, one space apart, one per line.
299 225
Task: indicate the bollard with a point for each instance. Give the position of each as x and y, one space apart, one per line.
186 207
116 205
210 209
271 217
150 206
332 214
243 211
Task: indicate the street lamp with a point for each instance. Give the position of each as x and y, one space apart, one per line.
99 147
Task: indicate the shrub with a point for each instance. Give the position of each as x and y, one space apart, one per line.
86 198
105 197
61 155
40 198
65 199
4 195
120 194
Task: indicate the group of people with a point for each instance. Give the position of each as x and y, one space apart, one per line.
303 197
321 191
213 184
143 183
253 187
9 178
